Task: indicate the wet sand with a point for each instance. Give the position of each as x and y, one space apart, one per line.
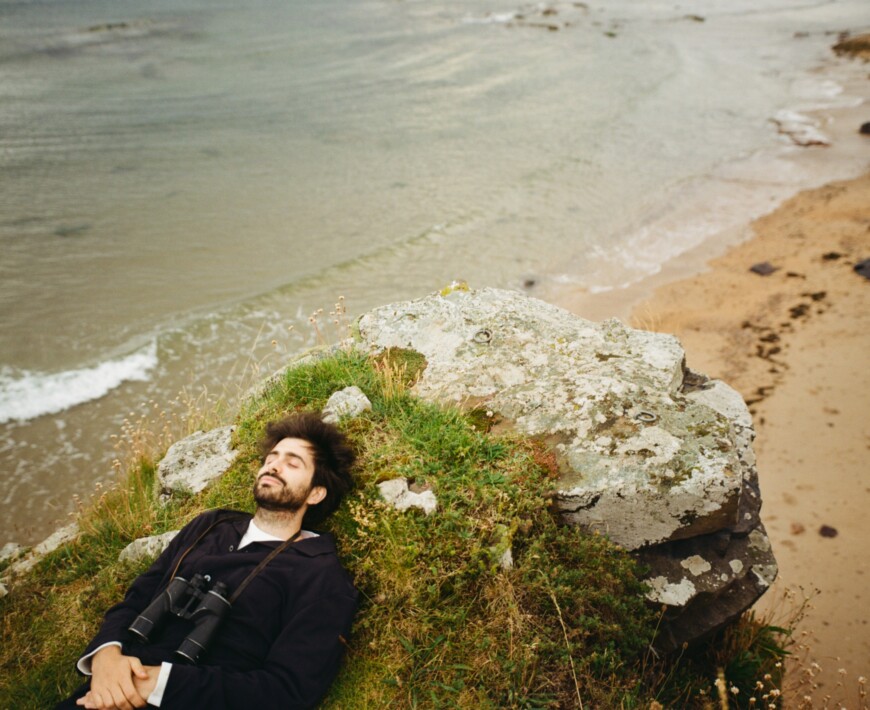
795 343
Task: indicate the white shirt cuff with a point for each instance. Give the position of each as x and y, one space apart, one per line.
156 696
84 663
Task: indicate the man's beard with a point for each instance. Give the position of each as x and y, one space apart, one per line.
277 499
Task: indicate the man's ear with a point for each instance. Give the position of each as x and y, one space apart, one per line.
317 494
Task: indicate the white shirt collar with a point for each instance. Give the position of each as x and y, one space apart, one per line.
254 534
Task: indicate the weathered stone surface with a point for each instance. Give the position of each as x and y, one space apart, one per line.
192 463
641 461
707 582
146 547
656 456
349 402
66 534
397 493
10 551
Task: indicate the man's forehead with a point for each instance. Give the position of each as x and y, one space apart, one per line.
298 447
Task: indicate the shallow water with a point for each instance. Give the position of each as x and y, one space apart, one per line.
180 182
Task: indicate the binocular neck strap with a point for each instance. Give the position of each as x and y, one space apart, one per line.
259 568
201 536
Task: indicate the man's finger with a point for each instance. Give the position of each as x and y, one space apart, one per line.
120 701
137 668
132 695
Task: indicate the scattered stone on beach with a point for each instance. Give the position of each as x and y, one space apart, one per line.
865 129
828 531
797 528
857 47
192 463
694 18
831 256
802 129
862 268
763 268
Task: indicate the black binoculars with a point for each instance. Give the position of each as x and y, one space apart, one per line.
191 600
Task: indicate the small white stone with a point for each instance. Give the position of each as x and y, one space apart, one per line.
146 547
506 561
396 493
10 551
195 461
736 566
349 402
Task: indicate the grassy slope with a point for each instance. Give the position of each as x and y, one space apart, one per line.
442 624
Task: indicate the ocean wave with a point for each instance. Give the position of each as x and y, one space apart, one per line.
26 395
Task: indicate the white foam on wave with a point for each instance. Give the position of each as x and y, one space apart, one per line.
26 395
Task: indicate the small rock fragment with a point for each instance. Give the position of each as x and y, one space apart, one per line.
797 528
862 268
396 493
763 268
10 551
828 531
865 129
349 402
195 461
146 547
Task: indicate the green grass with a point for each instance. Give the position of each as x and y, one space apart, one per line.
442 624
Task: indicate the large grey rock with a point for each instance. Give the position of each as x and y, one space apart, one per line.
146 547
348 402
640 461
655 456
194 462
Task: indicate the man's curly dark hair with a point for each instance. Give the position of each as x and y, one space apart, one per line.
334 457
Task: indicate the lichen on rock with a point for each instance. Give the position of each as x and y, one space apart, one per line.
656 457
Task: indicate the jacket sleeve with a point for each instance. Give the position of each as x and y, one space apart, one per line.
145 586
297 672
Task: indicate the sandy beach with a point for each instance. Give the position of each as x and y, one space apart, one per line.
795 343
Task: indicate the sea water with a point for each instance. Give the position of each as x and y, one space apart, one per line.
182 184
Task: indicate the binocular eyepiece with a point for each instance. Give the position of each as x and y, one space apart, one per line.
192 600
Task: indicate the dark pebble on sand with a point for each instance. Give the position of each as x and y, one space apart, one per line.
862 268
831 256
828 531
529 283
865 129
799 311
763 268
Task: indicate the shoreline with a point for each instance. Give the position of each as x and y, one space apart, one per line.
833 98
794 343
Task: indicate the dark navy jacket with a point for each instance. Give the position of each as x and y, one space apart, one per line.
281 644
